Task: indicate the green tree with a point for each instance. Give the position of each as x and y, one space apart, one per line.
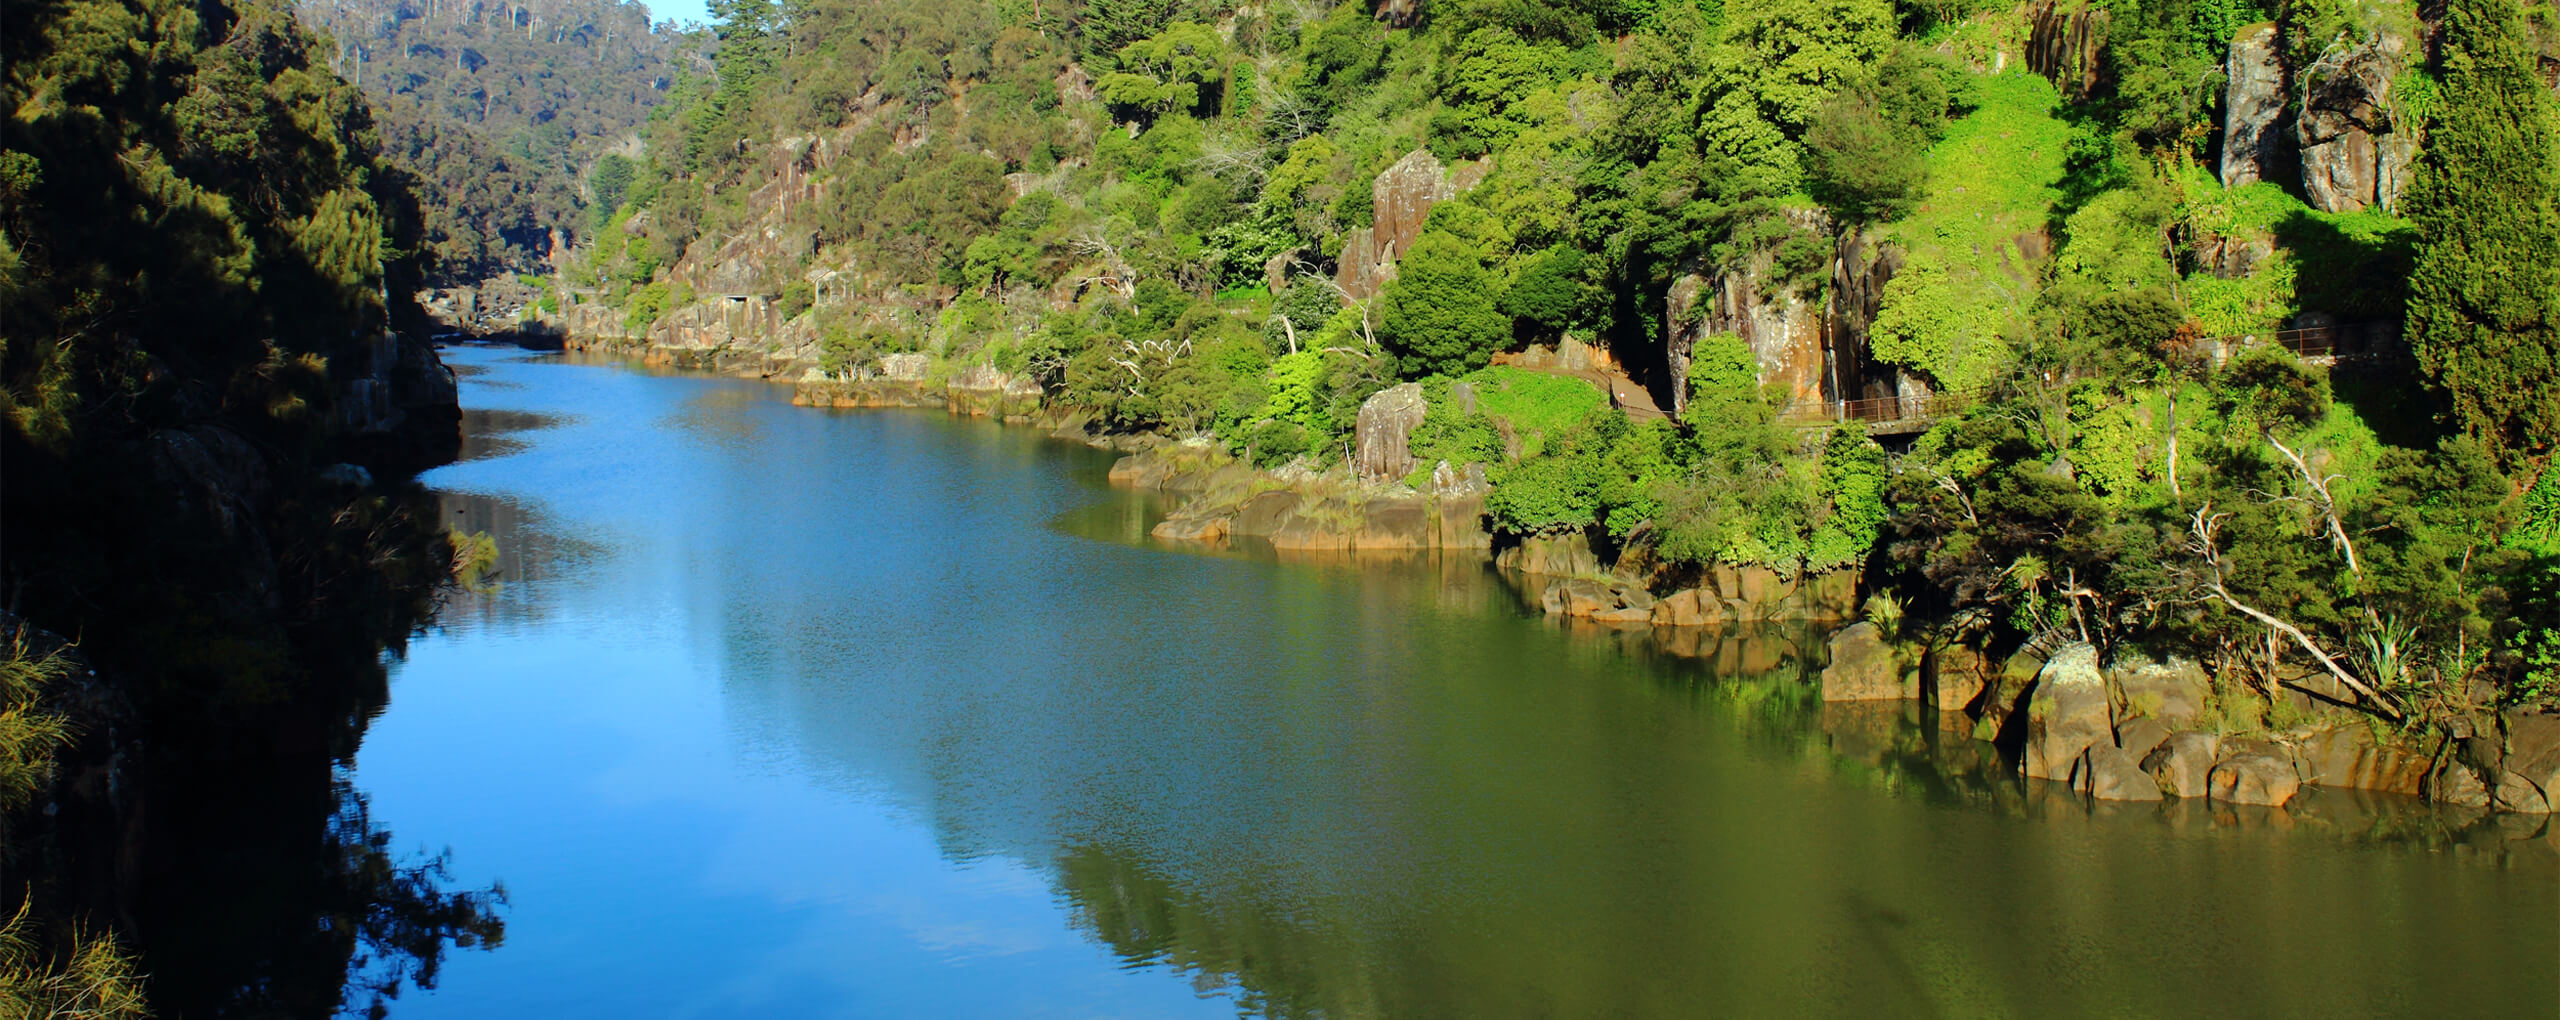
1867 150
1549 290
1165 72
1861 166
1781 62
1440 312
1487 75
610 182
2484 301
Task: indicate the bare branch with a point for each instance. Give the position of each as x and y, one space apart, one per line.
2205 525
2328 506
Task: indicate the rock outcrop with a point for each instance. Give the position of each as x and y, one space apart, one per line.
1566 555
2173 692
1689 607
1400 198
2067 714
2106 772
1860 268
1296 511
2182 764
1384 432
1956 677
2533 752
1864 668
2352 156
1782 325
2066 42
399 411
1598 601
2348 755
2253 779
2253 107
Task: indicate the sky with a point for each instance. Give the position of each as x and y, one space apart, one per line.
680 10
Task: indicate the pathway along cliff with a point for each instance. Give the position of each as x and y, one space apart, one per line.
786 711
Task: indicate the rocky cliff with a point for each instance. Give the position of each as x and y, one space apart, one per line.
2355 153
1813 346
2253 108
1401 197
2328 125
2066 42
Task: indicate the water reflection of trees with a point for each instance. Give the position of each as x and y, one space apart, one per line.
1281 955
1270 967
250 872
283 898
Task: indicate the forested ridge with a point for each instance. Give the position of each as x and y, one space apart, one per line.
215 388
2238 320
500 109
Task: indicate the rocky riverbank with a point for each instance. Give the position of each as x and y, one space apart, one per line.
2126 730
2133 729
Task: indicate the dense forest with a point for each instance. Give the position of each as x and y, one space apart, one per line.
500 109
211 416
2236 320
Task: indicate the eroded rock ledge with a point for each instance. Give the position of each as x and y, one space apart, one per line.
2134 729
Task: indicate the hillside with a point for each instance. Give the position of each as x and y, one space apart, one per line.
2148 299
501 111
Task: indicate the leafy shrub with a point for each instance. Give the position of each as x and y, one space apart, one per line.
1440 313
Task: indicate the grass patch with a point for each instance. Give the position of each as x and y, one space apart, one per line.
1534 403
1967 284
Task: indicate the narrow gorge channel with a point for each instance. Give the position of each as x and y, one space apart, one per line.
781 711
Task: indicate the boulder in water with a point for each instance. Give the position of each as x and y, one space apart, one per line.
2067 713
1863 668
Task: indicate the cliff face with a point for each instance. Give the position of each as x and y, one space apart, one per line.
2330 122
2354 154
1402 196
212 408
2065 43
1815 348
2253 108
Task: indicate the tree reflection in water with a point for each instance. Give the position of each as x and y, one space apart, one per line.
402 915
282 898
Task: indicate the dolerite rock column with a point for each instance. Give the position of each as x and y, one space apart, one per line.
1385 432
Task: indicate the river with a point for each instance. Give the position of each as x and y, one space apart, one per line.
782 712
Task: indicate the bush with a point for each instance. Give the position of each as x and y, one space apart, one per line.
1440 313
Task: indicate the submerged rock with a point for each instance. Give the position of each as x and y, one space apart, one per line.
2253 779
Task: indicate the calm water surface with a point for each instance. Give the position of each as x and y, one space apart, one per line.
782 712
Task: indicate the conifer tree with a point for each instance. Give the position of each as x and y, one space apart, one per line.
2484 301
